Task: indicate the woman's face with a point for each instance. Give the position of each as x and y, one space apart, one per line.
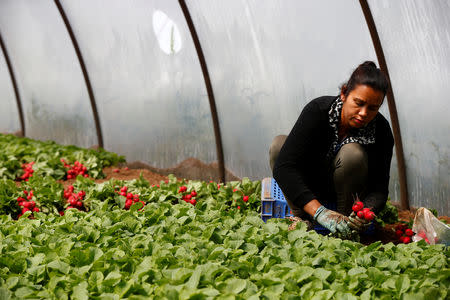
360 106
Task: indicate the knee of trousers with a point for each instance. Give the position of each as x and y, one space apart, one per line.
275 148
351 163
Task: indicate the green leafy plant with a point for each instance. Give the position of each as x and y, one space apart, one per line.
180 251
388 215
46 158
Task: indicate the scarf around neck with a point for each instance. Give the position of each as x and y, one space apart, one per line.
362 136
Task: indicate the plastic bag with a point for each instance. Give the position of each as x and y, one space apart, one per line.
428 227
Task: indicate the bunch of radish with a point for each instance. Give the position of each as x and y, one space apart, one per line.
74 170
74 199
131 198
28 171
188 197
363 212
29 205
404 234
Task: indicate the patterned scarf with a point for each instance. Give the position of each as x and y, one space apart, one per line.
362 136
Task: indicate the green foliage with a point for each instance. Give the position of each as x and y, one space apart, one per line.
434 211
172 249
388 215
47 155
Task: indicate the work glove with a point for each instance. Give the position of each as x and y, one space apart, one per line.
296 220
358 224
333 221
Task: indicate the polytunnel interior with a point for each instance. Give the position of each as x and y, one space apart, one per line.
164 81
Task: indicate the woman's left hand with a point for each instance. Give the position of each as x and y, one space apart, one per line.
358 224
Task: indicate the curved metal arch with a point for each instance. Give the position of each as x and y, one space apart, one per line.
85 73
404 201
14 83
209 89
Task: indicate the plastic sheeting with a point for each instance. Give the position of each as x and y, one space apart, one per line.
267 59
416 41
53 93
145 73
9 115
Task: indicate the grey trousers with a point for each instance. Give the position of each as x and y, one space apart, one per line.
349 171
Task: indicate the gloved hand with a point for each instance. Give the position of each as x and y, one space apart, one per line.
333 221
358 224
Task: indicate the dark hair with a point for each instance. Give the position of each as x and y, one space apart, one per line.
366 73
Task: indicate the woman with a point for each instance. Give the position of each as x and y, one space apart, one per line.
340 148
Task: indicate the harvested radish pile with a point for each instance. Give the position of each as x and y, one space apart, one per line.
182 239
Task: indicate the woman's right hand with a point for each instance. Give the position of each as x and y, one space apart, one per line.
333 221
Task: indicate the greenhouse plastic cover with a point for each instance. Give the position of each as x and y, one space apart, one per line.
265 60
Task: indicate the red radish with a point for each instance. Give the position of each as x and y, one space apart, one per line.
188 197
126 168
193 193
32 204
36 209
235 190
360 214
20 199
116 170
25 192
61 213
369 215
193 201
129 196
359 205
238 207
182 189
69 207
399 233
30 196
24 210
409 232
245 198
123 194
79 204
406 240
124 189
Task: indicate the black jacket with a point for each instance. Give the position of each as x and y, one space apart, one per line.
302 170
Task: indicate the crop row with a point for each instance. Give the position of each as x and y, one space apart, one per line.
22 158
172 249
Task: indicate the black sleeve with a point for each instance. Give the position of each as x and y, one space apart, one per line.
290 170
379 168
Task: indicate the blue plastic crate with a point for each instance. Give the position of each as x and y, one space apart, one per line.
274 205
